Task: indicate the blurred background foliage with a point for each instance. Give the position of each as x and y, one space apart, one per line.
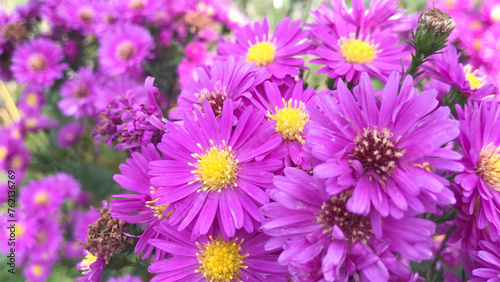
94 164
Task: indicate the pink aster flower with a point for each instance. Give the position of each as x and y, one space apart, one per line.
34 121
66 183
490 10
486 258
214 172
377 146
132 119
80 15
92 268
70 133
38 62
227 80
311 224
140 207
124 49
37 271
48 240
275 54
346 51
241 257
479 184
24 231
79 94
288 109
32 100
41 197
446 68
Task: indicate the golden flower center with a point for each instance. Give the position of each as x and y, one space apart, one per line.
261 53
354 226
137 5
221 260
158 210
489 166
32 99
86 15
495 13
42 198
474 80
17 162
37 62
290 120
20 230
87 261
31 123
375 150
3 153
358 51
126 50
216 168
37 270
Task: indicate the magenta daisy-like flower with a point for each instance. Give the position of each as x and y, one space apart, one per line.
124 49
32 100
70 133
288 109
24 232
231 79
48 239
480 181
213 171
38 62
37 271
80 15
92 268
79 94
346 51
387 150
241 257
140 207
275 54
312 225
446 68
41 197
485 262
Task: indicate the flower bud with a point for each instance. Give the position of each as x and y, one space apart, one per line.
439 22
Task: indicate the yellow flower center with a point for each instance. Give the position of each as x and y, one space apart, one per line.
32 99
126 50
495 13
17 162
261 53
221 260
489 166
70 136
87 261
477 24
158 210
30 123
290 120
19 230
16 134
358 51
474 81
477 44
37 270
137 5
216 168
37 62
42 198
3 153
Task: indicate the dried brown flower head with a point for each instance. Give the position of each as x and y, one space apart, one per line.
106 236
438 21
15 32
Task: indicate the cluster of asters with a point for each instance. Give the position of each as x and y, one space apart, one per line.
253 176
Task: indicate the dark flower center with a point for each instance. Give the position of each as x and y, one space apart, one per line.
37 63
86 15
197 21
354 226
215 97
375 150
126 50
81 91
15 32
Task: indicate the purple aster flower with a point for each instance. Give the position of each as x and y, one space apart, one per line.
311 224
486 266
48 240
92 268
32 100
288 109
66 184
126 278
490 10
241 257
446 68
38 62
479 184
79 94
213 171
140 207
24 232
124 48
346 51
275 54
13 153
37 271
35 121
231 79
132 120
80 15
134 10
378 146
70 133
41 198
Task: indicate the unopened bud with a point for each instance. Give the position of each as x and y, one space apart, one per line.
439 22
